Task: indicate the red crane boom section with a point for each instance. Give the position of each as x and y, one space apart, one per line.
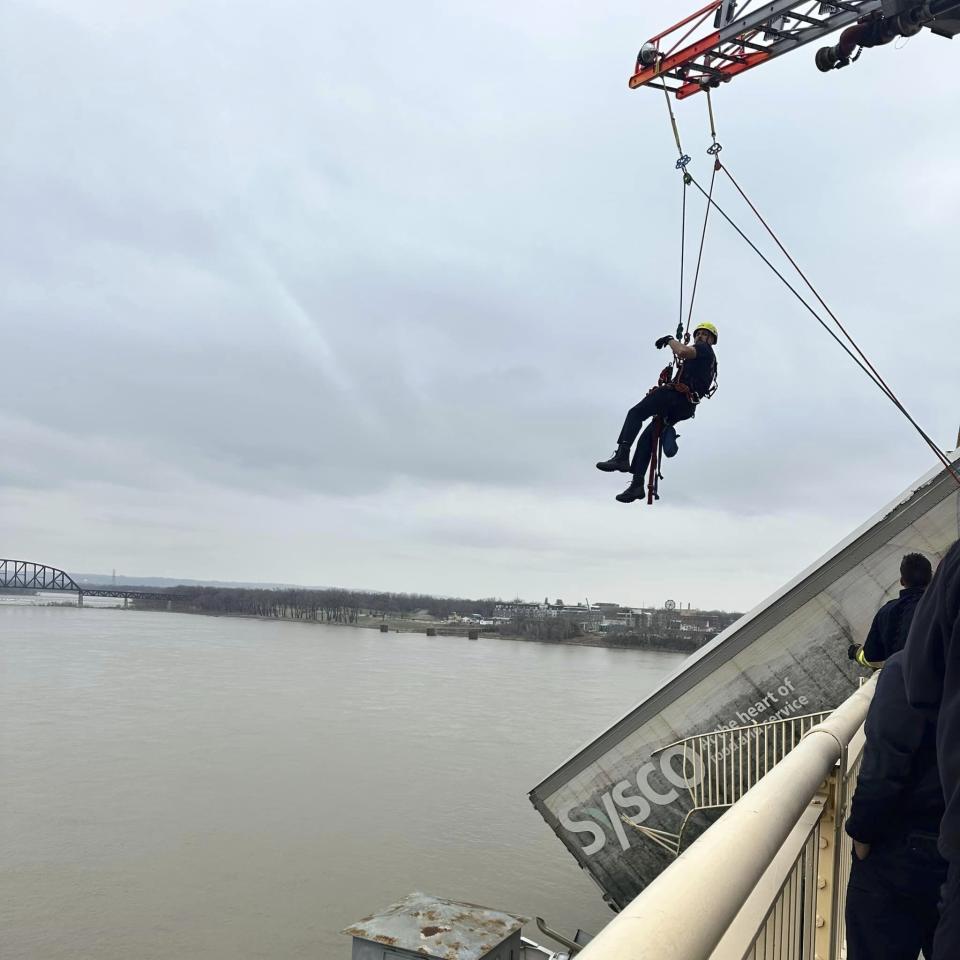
737 40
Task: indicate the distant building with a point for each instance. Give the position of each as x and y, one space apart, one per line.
667 626
586 617
517 608
690 627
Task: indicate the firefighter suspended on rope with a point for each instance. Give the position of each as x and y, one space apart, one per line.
674 399
690 378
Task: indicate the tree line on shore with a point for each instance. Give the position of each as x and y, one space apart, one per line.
548 628
333 605
337 605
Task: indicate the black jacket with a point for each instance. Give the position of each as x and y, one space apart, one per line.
890 627
931 668
898 790
698 372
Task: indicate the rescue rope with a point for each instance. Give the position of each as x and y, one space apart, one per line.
683 247
864 364
681 164
703 237
682 161
714 151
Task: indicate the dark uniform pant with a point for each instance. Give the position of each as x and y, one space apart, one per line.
660 402
892 900
947 944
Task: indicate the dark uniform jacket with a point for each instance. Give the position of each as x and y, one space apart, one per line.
698 372
898 791
890 627
931 668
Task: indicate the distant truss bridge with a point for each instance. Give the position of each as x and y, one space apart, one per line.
26 575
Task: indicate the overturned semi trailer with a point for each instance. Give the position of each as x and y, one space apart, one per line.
625 803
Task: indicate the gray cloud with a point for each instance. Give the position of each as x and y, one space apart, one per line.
322 255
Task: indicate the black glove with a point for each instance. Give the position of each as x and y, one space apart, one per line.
852 651
662 342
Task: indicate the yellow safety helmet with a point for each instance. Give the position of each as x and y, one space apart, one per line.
709 327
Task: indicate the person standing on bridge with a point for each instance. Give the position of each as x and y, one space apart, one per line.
891 626
896 872
931 669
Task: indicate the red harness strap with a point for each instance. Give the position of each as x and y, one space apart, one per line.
666 379
653 477
671 380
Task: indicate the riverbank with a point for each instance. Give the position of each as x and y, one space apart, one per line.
612 640
440 629
414 625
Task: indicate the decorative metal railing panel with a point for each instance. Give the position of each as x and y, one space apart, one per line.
721 766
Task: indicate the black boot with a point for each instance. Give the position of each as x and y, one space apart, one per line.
636 491
620 461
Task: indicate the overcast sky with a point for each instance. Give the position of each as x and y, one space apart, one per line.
357 294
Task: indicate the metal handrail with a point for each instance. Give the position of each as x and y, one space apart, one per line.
695 904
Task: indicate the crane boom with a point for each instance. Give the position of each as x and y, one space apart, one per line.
738 40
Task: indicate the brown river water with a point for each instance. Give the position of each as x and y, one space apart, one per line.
188 787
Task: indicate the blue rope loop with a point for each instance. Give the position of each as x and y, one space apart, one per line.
681 164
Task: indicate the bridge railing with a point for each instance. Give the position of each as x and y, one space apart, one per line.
768 879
